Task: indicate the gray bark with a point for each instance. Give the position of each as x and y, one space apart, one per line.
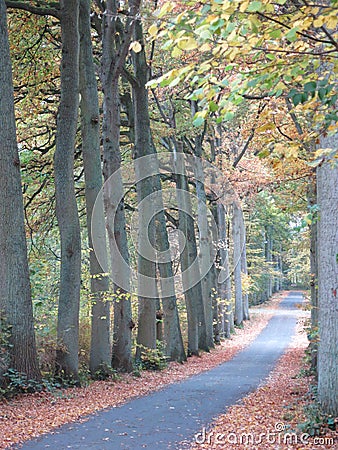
237 255
327 189
204 241
244 265
312 199
151 187
224 279
100 348
189 260
146 330
268 257
66 207
115 47
16 310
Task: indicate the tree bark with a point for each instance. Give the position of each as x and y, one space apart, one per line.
224 279
16 310
244 265
151 186
191 278
66 207
327 189
114 50
100 348
237 255
204 241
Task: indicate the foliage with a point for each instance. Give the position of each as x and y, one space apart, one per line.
316 421
282 54
153 359
5 334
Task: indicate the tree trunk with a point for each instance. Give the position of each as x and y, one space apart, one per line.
151 187
100 348
244 265
16 310
66 207
224 279
312 200
237 255
204 241
268 258
113 199
191 278
327 188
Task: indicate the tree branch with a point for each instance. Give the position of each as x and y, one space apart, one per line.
52 10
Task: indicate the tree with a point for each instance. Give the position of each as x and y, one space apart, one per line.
327 189
16 312
66 205
100 349
191 279
237 260
116 38
152 219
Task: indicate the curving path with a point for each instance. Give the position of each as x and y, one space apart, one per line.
161 420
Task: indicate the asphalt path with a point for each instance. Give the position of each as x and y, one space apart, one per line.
181 410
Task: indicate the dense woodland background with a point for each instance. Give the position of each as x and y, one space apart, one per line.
233 107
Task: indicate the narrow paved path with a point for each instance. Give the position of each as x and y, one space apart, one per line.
161 420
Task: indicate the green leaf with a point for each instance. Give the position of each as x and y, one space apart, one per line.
297 99
322 93
292 35
213 106
275 34
198 121
228 116
255 6
310 86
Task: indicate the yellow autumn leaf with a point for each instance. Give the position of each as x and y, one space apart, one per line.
244 6
332 22
319 22
153 30
187 44
176 52
135 46
205 47
265 127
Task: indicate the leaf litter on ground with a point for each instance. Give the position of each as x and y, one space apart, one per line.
268 418
31 415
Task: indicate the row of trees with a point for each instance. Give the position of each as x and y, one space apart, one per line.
124 150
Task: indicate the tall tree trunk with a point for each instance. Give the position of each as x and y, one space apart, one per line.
268 258
151 188
146 330
66 207
244 265
15 292
113 196
327 189
100 348
191 278
237 255
224 279
312 200
117 235
204 241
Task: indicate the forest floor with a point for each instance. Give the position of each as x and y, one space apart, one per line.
274 415
278 401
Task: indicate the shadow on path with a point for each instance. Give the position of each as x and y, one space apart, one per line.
162 419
